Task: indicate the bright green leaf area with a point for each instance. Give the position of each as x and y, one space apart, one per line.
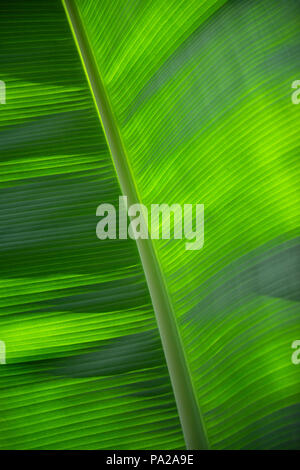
85 367
201 92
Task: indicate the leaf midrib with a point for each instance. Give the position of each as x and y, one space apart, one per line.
185 396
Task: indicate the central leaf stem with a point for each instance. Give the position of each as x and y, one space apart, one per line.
187 403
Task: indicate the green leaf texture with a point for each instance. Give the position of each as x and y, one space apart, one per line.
200 96
85 367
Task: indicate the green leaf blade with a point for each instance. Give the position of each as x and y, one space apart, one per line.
204 112
85 367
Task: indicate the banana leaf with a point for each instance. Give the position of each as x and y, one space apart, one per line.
84 362
192 100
